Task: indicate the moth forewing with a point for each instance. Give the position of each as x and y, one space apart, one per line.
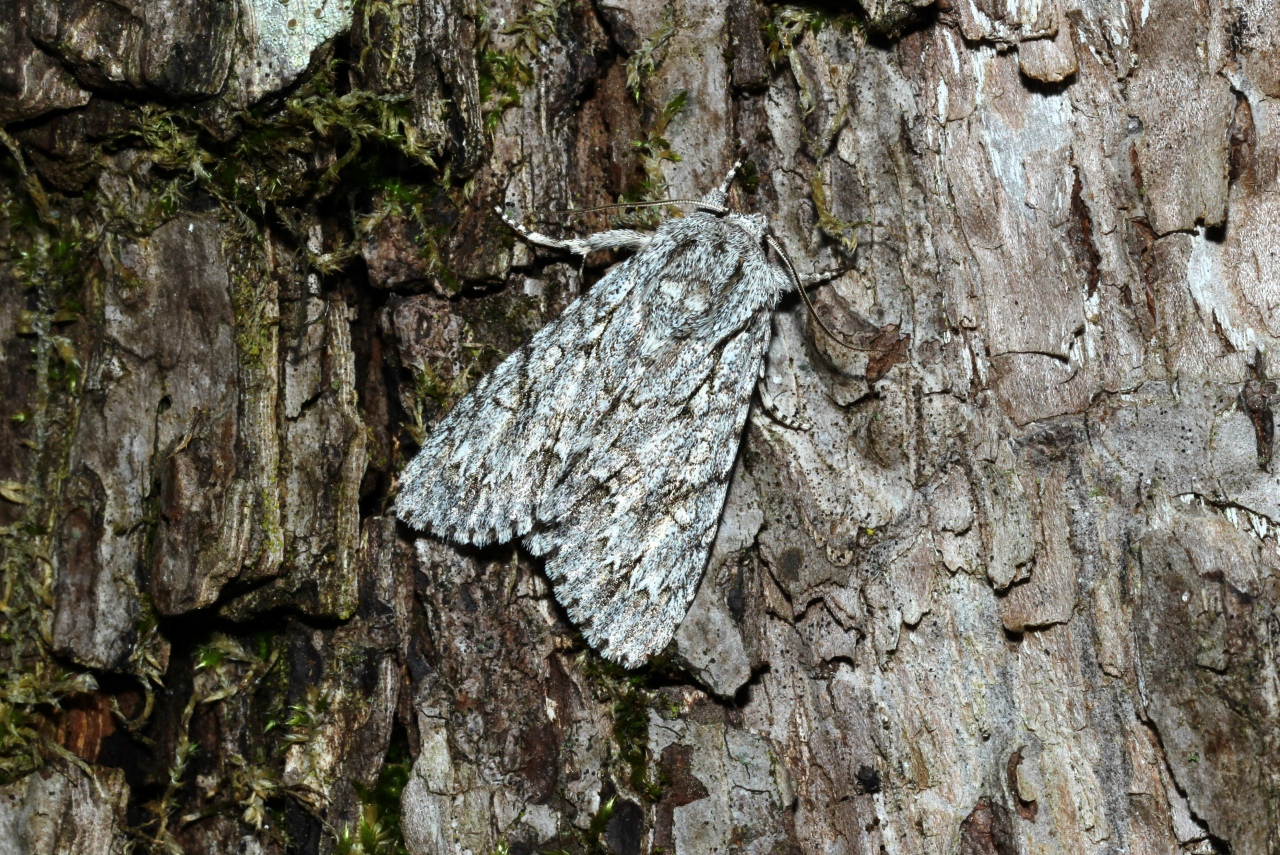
606 442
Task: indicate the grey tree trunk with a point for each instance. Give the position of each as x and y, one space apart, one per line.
1014 592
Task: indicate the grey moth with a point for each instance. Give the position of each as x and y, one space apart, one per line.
606 443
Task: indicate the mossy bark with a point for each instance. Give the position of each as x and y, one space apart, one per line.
1014 591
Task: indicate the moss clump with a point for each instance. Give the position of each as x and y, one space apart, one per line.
843 232
749 177
48 245
630 701
378 830
372 835
787 27
273 160
588 841
631 732
223 668
502 75
432 210
789 23
644 62
654 150
251 286
327 146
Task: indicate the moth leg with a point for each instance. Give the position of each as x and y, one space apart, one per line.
612 239
771 409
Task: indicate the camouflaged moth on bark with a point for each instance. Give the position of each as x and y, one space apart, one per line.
606 443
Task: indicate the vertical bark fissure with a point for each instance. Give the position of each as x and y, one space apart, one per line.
1013 590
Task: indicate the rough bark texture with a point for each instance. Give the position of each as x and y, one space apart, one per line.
1014 592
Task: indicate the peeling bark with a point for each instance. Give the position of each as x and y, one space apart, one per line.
1015 590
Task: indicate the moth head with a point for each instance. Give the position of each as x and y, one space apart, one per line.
753 224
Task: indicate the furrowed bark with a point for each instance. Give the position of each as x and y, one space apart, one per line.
1015 591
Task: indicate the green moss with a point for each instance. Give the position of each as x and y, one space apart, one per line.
589 841
371 836
843 232
252 297
631 732
788 24
423 205
644 62
145 659
787 27
654 150
49 246
224 667
302 719
630 702
317 144
378 830
503 75
441 387
269 519
272 162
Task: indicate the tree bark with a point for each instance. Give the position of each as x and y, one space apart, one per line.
1014 591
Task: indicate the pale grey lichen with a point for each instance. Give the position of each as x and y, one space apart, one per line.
282 35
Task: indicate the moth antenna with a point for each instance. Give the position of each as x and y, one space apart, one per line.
701 203
728 179
804 295
519 229
614 239
715 200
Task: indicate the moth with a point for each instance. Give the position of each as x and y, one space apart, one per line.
606 443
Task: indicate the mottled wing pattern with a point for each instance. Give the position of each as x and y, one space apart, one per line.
608 440
628 542
486 466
